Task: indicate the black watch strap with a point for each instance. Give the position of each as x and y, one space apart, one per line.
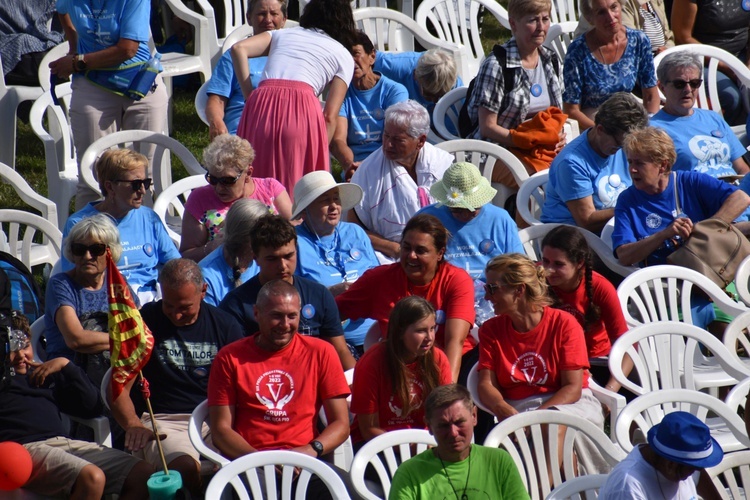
318 447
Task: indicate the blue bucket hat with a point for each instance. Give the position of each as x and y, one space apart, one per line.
682 438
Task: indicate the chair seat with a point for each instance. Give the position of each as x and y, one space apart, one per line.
176 64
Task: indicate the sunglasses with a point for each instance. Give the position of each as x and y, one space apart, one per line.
680 84
490 288
226 181
136 184
96 250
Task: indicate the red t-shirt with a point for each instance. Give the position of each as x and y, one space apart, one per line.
373 296
529 363
276 395
611 324
372 391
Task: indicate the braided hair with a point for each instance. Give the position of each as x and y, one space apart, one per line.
572 242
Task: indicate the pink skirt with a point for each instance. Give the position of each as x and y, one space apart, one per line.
283 120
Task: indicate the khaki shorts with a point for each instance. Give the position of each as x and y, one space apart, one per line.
177 443
58 461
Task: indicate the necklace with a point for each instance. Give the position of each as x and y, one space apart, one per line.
617 50
463 496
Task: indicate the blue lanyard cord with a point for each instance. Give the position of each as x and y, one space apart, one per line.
332 254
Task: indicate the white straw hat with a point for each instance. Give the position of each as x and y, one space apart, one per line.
314 184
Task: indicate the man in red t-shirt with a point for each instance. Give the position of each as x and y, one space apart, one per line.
264 391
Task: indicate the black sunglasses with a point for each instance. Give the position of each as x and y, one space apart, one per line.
96 250
137 183
227 181
680 84
490 288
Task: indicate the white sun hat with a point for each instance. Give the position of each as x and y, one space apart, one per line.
314 184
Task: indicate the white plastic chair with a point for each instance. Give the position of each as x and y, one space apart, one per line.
531 239
607 231
736 338
39 203
742 281
10 97
44 72
649 409
448 108
396 447
170 204
160 169
575 488
485 156
206 48
528 451
732 476
197 419
344 453
21 228
559 37
564 11
708 94
51 123
201 98
450 21
260 467
666 355
530 197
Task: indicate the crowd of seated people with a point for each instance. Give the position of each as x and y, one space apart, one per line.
271 298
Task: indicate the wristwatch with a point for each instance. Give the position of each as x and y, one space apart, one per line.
79 63
318 447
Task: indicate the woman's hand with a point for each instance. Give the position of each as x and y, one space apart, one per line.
63 67
339 288
682 227
44 370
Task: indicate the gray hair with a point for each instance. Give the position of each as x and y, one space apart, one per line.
275 288
587 9
179 272
251 4
239 222
621 114
409 116
228 152
436 71
98 226
678 60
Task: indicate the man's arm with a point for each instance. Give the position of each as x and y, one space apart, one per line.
224 437
733 206
337 430
215 106
587 216
137 435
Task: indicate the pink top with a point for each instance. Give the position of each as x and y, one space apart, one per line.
206 207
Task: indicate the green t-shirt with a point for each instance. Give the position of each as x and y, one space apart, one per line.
494 476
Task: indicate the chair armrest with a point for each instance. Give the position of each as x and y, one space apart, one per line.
615 402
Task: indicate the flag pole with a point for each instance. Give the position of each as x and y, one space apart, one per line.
153 423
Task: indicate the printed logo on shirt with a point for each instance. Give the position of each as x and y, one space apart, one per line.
148 249
530 369
653 221
440 317
186 356
746 5
355 254
711 153
610 187
486 246
308 311
275 389
415 401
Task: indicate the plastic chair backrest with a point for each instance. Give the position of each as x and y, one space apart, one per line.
170 204
530 198
447 110
197 419
573 488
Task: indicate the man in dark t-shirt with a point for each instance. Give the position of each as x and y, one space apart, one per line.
188 333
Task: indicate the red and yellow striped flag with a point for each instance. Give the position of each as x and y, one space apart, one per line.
130 340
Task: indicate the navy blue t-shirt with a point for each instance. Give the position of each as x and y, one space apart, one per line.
319 316
181 361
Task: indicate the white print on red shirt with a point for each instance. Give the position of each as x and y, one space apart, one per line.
530 368
275 389
416 389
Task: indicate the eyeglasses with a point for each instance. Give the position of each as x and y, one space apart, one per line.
226 181
136 184
490 288
680 84
96 250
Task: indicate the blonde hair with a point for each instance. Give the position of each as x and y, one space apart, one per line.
522 8
113 163
436 72
516 270
228 152
652 142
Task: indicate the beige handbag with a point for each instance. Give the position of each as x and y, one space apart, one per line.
715 249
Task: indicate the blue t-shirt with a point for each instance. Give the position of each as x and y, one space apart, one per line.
101 25
639 214
577 172
589 83
400 66
347 253
472 244
319 316
703 140
224 83
219 276
365 113
90 306
145 244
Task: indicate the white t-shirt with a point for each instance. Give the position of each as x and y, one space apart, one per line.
308 56
636 479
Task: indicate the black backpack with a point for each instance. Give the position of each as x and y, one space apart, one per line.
465 125
18 289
